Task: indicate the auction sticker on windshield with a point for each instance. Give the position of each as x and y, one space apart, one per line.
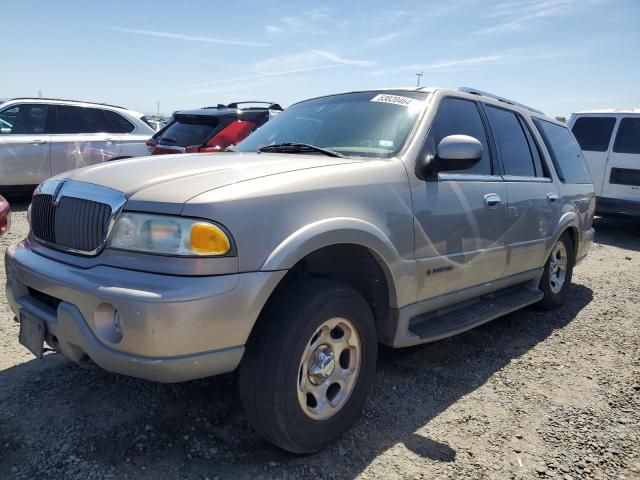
395 100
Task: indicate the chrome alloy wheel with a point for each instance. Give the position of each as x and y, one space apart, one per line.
558 267
329 368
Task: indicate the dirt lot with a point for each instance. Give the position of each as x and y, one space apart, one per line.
531 395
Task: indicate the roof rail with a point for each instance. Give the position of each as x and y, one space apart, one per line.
271 105
65 100
475 91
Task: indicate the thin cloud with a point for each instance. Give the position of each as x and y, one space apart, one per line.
272 29
383 39
189 38
338 59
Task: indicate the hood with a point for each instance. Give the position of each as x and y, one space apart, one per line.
164 183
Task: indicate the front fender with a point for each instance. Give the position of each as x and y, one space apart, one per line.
400 272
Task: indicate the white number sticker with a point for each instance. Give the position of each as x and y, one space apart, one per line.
395 100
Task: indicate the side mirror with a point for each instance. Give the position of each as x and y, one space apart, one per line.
455 152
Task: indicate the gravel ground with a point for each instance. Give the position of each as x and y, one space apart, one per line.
531 395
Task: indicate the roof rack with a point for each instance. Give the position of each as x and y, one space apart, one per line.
271 105
66 100
475 91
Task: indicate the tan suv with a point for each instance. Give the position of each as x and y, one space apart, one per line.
397 216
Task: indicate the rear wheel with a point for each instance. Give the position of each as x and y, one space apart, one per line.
558 271
309 365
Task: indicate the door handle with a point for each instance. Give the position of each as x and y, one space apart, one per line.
38 142
492 200
553 197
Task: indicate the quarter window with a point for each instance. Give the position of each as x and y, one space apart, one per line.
565 152
117 123
457 116
512 142
25 120
628 137
593 133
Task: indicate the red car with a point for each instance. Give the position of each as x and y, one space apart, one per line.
211 129
5 215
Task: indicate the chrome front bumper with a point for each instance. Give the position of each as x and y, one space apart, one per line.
168 328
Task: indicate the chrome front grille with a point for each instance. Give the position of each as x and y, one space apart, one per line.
73 216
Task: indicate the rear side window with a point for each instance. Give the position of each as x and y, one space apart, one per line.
117 123
184 132
512 142
565 152
460 117
81 120
628 137
593 133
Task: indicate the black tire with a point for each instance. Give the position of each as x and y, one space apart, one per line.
554 299
270 370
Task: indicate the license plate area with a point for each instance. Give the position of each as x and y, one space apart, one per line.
32 332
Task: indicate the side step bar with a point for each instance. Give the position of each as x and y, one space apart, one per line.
458 318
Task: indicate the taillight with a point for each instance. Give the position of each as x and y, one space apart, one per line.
151 144
200 149
5 219
233 133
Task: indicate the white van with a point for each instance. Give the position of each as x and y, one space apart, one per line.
610 142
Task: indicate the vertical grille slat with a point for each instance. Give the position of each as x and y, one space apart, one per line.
75 223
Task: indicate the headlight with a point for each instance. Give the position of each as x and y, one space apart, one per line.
166 235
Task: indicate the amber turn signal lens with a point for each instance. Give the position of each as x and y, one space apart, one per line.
208 239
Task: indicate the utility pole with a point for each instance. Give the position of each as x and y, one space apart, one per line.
39 93
419 74
158 105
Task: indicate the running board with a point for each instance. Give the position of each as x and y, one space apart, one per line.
458 318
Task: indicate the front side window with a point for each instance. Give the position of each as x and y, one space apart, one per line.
628 137
363 124
512 142
594 133
457 116
565 152
81 120
24 119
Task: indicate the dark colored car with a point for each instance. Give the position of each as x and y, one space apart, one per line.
211 129
5 215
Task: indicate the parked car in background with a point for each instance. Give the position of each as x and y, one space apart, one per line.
5 215
157 125
211 129
610 142
42 137
396 216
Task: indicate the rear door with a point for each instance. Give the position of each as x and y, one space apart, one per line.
594 134
533 199
25 147
622 175
81 138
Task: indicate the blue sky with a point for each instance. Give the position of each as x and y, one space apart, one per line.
556 55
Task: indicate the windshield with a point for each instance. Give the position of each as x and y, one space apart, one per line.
368 124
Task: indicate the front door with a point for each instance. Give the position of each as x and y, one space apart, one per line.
460 216
24 145
622 174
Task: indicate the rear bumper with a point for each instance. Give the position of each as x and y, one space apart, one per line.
614 206
171 328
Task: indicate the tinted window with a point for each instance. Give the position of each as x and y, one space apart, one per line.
593 133
185 132
364 124
565 152
538 162
456 116
512 142
117 123
81 120
628 137
24 119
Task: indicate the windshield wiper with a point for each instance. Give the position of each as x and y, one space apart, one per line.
168 140
292 147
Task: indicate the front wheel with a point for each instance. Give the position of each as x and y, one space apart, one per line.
558 271
309 365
